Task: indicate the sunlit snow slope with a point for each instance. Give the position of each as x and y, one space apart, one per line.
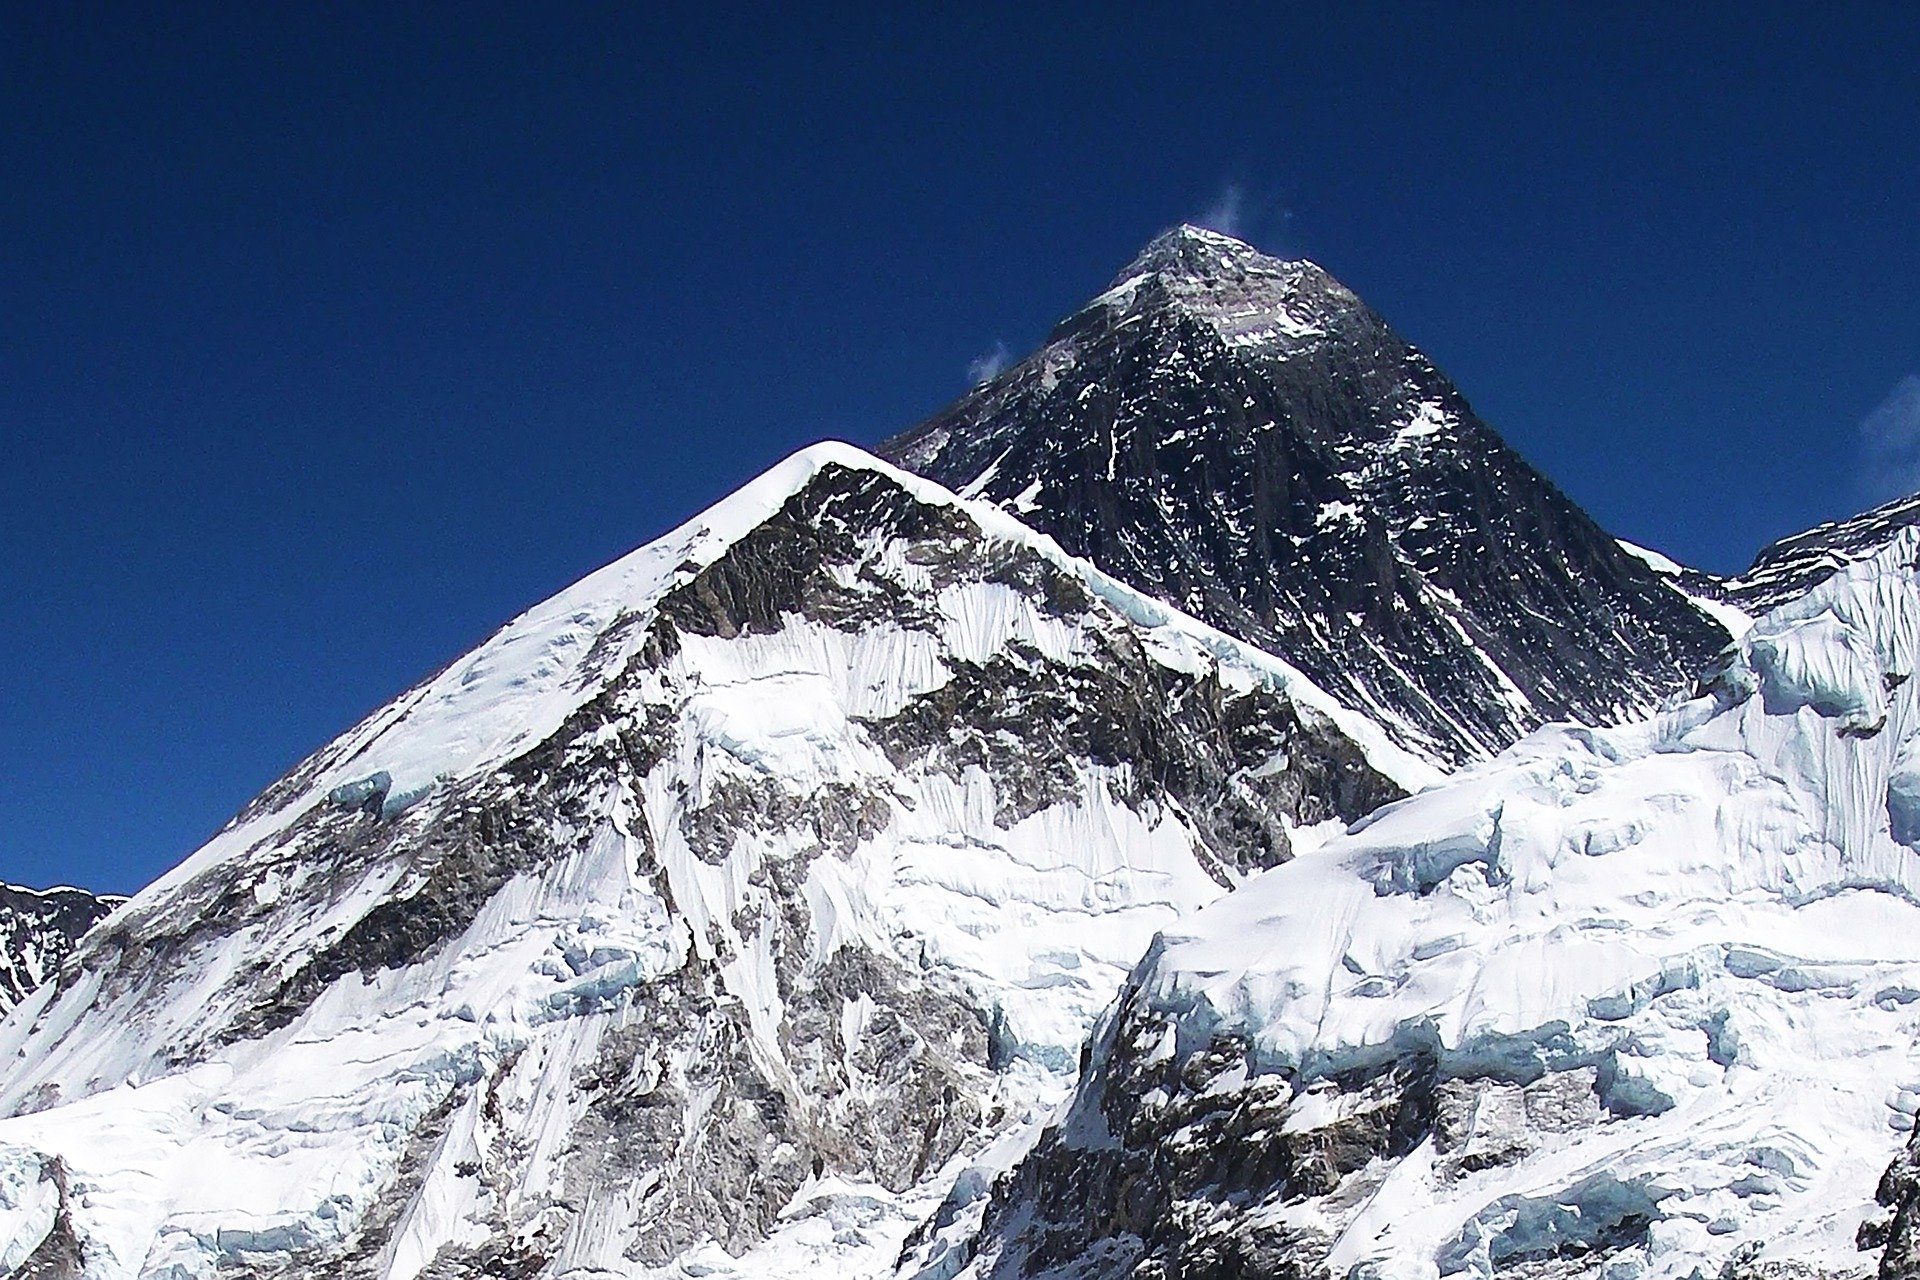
726 904
1636 1003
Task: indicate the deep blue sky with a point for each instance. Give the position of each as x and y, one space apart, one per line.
329 343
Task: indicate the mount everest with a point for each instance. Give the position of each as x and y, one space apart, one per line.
758 905
1243 437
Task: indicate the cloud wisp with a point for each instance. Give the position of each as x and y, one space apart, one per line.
1227 214
1251 214
1890 443
989 364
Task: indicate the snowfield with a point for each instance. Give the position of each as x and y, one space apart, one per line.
745 911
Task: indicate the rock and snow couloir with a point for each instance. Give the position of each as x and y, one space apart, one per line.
1636 1002
728 903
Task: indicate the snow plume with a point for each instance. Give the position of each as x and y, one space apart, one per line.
1227 213
1251 214
1890 442
988 365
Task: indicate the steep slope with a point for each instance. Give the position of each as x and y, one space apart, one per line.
1632 1002
1245 438
1794 565
38 930
730 895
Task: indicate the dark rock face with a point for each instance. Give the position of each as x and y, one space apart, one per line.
1153 1173
1178 1162
1243 437
61 1255
1023 717
1795 565
38 930
1899 1236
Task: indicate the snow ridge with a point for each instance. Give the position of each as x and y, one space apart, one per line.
1795 564
761 881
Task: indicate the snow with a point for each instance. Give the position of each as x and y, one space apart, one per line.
1729 615
1250 301
28 1204
1336 512
1713 908
1652 559
1427 420
284 1140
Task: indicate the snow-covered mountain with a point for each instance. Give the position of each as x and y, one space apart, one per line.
730 902
1796 564
746 909
1636 1002
38 930
1244 437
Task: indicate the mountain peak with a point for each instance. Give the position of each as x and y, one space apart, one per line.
1244 437
1251 299
1190 251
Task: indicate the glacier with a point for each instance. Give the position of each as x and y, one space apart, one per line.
1637 1002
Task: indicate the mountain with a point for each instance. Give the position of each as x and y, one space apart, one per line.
1638 1002
38 930
1794 565
714 914
757 906
1243 437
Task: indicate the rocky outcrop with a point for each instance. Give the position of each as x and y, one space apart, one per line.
1795 565
39 928
1149 1177
1898 1235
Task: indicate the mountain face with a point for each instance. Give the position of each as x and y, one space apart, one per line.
38 930
1245 438
1794 565
1630 1002
715 913
861 881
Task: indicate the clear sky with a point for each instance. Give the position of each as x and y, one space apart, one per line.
328 343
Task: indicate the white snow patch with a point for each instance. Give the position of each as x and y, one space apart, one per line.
1735 619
